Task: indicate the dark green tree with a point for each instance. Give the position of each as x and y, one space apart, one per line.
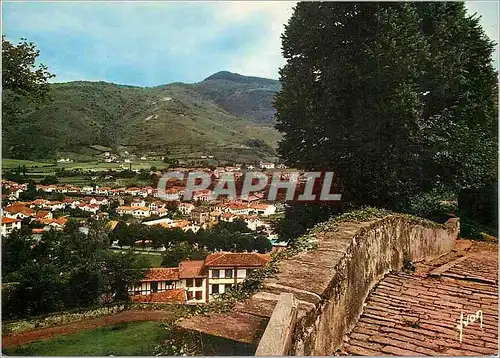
16 252
49 179
123 270
459 119
30 193
20 74
395 98
24 84
182 251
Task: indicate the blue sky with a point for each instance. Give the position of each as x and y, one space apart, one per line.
153 43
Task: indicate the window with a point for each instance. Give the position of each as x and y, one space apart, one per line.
199 282
215 273
215 289
227 287
189 282
199 295
168 284
189 295
228 274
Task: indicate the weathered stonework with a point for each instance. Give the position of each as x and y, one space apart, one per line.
332 282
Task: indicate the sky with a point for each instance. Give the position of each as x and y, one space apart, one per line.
153 43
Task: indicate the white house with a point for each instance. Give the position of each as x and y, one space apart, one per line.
193 280
87 189
9 224
263 209
138 203
136 211
18 212
185 208
54 205
200 280
266 165
225 269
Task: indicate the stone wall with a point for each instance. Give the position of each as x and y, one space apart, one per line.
332 282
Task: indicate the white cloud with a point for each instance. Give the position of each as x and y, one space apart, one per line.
264 57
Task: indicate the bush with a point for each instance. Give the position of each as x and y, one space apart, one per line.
432 205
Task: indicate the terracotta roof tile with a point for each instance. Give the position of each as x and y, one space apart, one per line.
42 214
162 274
19 209
169 296
191 269
237 259
9 220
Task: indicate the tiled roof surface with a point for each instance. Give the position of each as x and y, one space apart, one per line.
169 296
417 314
162 274
9 220
235 259
19 209
191 269
41 214
260 206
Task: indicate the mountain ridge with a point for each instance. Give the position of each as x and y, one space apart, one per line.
224 112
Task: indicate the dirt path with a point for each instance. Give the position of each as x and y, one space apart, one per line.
122 317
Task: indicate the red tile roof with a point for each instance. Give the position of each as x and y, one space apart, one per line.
259 206
60 221
237 259
162 274
191 269
19 209
42 214
169 296
9 220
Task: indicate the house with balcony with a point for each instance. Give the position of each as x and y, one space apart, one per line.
193 279
185 208
226 269
157 280
200 280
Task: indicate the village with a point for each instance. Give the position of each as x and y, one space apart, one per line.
192 281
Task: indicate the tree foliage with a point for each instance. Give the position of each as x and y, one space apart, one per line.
20 74
64 270
24 85
396 98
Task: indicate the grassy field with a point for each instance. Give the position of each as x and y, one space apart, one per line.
36 171
154 260
14 163
94 165
126 339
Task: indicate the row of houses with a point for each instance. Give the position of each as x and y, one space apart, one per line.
139 208
44 218
197 281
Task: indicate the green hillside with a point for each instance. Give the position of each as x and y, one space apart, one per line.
221 115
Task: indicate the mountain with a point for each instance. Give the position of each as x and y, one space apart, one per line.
250 97
224 114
